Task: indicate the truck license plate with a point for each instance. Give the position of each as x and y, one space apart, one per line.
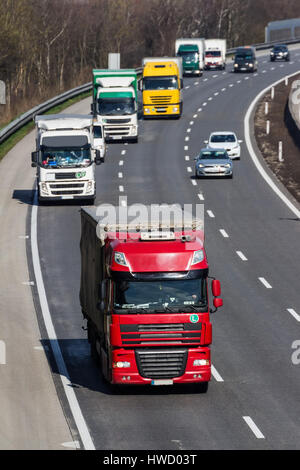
67 197
162 382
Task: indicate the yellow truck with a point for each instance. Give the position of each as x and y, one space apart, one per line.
161 85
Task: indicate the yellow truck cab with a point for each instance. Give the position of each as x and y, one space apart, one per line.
162 82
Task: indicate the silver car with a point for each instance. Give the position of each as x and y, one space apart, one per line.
212 162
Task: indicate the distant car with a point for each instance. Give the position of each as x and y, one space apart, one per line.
225 140
245 60
212 162
279 52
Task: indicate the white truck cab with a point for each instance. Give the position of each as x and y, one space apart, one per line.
65 157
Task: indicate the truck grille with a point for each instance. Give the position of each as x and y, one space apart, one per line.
117 121
156 334
161 363
160 100
65 176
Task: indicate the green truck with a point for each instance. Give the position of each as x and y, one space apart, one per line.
115 103
192 52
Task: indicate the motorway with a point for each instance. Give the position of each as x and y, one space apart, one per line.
252 243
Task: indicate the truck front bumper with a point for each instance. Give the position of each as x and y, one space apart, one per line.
62 190
131 375
167 111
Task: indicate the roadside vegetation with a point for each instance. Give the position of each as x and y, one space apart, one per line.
49 46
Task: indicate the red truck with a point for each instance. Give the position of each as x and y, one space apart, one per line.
144 293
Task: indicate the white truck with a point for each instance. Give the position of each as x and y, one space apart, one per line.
65 157
215 54
115 103
191 50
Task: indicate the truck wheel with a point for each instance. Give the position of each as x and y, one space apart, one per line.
92 337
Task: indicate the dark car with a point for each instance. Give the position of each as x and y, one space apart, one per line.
245 60
279 52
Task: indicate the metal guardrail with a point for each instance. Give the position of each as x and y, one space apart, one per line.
15 125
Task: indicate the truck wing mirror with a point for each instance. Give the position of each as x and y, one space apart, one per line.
98 158
93 109
181 83
34 159
218 303
216 288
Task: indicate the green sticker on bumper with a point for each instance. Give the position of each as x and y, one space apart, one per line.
194 318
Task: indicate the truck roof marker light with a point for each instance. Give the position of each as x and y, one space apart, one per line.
120 259
198 257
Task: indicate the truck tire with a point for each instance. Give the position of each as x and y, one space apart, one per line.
92 337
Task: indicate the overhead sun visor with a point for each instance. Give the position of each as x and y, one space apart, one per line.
64 141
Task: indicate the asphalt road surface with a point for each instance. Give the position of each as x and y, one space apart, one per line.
252 242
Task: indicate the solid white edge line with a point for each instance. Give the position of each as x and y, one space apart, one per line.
253 155
294 313
258 434
61 366
216 374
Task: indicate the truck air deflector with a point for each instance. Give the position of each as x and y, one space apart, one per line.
159 276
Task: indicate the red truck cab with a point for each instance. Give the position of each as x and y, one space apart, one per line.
148 306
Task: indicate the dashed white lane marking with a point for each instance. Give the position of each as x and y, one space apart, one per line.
294 313
123 152
246 78
216 374
186 147
264 62
224 233
121 162
187 139
187 87
210 98
194 182
231 85
201 197
60 363
264 71
204 104
272 68
211 214
189 170
215 76
258 434
255 75
216 94
242 256
199 110
120 175
195 116
187 158
121 189
223 89
265 282
281 65
239 81
205 79
188 130
191 123
196 83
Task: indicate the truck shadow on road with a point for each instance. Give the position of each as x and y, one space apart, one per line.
24 196
84 374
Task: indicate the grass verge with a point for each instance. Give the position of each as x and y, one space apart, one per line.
9 143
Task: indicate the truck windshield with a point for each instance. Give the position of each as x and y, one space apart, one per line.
116 106
188 56
66 157
213 54
160 83
242 57
161 296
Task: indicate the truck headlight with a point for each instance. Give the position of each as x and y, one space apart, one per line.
89 186
120 258
198 257
121 364
250 65
200 362
44 188
147 110
175 109
236 65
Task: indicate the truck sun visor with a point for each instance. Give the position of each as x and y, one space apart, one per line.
65 141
